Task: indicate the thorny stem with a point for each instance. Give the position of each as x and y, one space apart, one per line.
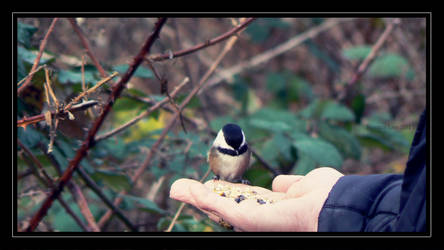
71 107
170 125
43 176
202 45
37 118
90 90
37 59
143 114
91 184
89 141
85 44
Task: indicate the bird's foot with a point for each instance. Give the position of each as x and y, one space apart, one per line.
246 182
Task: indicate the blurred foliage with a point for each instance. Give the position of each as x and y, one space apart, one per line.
285 118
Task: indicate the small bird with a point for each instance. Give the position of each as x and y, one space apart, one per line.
229 156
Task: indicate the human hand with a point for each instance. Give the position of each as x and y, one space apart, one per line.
298 201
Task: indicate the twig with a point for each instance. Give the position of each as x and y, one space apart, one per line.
38 118
31 73
90 90
69 108
44 178
182 204
52 123
89 141
85 44
228 73
83 205
39 55
348 88
264 163
170 125
371 56
73 188
143 114
164 90
91 184
202 45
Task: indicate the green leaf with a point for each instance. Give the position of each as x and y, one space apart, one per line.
287 88
217 123
144 204
240 91
358 106
198 148
29 56
304 164
314 109
276 126
322 152
275 82
357 52
117 182
347 143
373 141
128 104
259 177
336 111
260 29
29 137
71 76
367 138
320 53
177 165
300 88
389 65
59 219
141 71
25 33
276 120
392 136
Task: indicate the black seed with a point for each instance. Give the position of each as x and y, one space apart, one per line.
240 198
260 201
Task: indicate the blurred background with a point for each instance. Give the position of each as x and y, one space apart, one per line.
300 108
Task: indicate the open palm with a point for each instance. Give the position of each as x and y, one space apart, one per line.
298 201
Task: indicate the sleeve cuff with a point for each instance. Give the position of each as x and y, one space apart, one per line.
361 203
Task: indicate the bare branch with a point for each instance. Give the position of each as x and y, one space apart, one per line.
371 56
143 114
228 73
37 59
202 45
346 94
170 125
44 178
89 141
85 44
38 118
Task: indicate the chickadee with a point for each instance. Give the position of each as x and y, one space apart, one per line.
229 156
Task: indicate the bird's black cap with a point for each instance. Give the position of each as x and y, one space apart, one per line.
233 135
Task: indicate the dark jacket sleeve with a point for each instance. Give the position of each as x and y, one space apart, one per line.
384 202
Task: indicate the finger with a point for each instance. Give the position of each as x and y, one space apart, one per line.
281 183
209 201
180 190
